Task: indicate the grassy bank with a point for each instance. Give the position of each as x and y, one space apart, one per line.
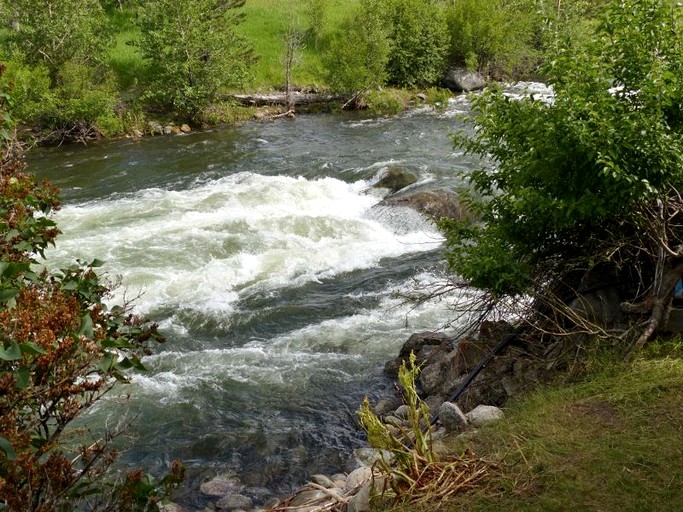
266 23
611 442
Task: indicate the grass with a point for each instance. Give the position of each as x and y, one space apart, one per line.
613 442
265 25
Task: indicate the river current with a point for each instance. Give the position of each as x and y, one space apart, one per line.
277 279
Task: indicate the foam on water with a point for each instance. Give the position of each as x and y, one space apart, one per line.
202 247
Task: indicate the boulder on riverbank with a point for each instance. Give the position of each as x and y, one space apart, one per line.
463 80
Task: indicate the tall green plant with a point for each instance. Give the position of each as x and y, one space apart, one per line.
51 33
419 42
193 52
591 176
360 51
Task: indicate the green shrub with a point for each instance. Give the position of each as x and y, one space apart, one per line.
492 36
193 51
359 52
419 43
386 102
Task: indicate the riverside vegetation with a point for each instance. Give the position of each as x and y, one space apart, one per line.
80 69
577 193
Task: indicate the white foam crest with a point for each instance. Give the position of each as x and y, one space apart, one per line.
199 248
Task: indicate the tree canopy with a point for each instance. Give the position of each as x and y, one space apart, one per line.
590 179
193 51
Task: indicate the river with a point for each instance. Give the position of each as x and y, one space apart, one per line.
277 280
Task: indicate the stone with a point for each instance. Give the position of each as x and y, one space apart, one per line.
323 480
483 414
305 497
386 405
222 485
360 502
462 80
357 477
402 412
234 502
395 179
137 133
185 128
271 503
367 457
169 507
155 128
452 418
339 479
425 345
393 420
437 204
437 378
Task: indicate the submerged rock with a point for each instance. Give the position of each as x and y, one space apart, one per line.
437 204
222 485
395 179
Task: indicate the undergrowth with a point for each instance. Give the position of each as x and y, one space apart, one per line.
611 442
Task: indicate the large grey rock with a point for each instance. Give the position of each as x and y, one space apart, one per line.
234 502
437 204
425 345
439 377
462 80
452 418
483 414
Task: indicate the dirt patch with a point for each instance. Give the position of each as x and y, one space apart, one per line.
599 414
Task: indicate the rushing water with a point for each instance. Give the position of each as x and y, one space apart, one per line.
275 276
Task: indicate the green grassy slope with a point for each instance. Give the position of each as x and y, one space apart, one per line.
613 443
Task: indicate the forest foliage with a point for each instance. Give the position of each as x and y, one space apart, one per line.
81 69
585 187
62 348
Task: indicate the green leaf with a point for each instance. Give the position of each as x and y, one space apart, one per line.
106 363
21 377
31 348
7 294
6 447
11 353
86 328
117 343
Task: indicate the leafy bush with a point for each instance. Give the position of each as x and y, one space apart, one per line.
491 36
360 51
193 51
419 43
52 33
61 350
590 178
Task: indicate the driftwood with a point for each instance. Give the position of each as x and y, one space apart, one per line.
280 98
